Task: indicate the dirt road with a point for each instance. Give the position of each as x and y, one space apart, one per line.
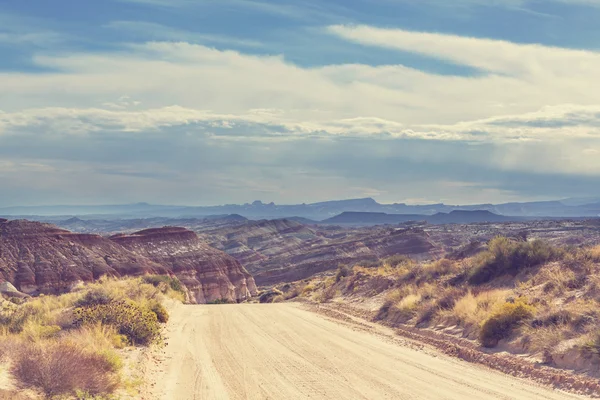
280 351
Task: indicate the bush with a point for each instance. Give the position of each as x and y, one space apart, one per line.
220 301
326 295
94 297
502 322
63 368
397 260
161 312
138 323
506 256
292 294
405 309
166 281
15 319
342 272
449 299
269 295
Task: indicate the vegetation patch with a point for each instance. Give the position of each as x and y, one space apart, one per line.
139 324
164 283
269 295
508 256
503 320
543 297
63 367
68 345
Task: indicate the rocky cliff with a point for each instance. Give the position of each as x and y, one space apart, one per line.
40 258
209 274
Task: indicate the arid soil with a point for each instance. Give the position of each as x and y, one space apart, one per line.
281 351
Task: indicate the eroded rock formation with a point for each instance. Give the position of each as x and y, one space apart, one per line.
285 251
209 274
40 258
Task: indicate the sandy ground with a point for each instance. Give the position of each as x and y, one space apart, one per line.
280 351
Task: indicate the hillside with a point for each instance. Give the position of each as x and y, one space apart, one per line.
526 298
283 250
40 258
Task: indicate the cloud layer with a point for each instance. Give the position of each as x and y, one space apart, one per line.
141 121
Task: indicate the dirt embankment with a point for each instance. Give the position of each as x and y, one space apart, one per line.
468 351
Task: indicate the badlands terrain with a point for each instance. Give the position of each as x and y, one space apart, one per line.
416 309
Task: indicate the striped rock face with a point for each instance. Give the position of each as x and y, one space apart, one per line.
40 258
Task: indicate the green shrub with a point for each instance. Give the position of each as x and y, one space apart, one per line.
502 322
161 312
138 323
94 297
168 281
506 256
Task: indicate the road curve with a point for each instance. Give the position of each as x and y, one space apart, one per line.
280 351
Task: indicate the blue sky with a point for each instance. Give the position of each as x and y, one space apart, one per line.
208 102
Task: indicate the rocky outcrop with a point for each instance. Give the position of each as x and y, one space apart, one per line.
285 251
208 273
41 258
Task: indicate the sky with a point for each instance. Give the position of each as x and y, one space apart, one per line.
203 102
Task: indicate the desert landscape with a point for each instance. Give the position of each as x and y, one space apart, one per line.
283 308
299 199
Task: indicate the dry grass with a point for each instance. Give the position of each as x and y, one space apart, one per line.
63 367
546 297
52 351
594 253
308 289
325 295
503 320
507 256
401 305
393 266
545 338
471 310
98 338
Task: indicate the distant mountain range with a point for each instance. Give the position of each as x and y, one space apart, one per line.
454 217
312 212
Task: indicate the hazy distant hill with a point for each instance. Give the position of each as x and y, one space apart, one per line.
315 211
454 217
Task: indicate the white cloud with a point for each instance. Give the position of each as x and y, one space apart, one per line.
530 62
531 110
